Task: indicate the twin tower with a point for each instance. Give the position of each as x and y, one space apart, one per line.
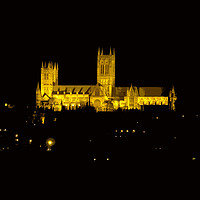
105 74
104 96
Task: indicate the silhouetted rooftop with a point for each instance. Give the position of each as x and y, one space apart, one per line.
153 91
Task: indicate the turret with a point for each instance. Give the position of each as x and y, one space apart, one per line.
133 91
55 66
132 96
38 95
172 99
114 51
102 51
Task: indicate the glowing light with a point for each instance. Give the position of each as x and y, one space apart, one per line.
95 159
127 131
16 139
153 100
6 104
42 119
30 141
193 158
133 131
50 142
16 135
107 158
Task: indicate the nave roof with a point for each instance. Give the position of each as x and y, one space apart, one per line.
74 88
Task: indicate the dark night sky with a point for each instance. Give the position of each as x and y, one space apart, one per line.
152 48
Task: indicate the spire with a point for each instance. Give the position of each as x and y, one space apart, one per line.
98 50
102 51
42 64
172 98
128 92
38 92
113 51
173 90
54 65
131 88
38 86
38 95
110 51
131 92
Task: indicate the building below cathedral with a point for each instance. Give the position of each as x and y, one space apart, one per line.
103 96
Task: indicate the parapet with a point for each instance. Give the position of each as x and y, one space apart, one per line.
51 65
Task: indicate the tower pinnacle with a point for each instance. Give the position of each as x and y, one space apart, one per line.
113 51
38 86
102 51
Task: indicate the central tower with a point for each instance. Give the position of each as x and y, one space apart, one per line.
106 71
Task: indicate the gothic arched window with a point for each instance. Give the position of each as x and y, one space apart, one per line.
102 68
107 69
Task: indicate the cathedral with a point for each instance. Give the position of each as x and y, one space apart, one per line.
104 96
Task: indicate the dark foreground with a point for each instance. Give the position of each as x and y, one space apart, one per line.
119 138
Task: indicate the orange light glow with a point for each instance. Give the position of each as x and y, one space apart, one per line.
50 142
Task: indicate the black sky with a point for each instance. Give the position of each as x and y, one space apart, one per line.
153 47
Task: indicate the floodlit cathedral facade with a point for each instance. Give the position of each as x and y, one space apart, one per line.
104 96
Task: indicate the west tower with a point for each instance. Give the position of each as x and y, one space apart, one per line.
49 78
106 71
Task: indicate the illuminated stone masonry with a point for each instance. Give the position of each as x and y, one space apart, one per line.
104 96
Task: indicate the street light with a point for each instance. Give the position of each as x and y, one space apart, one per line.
50 142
